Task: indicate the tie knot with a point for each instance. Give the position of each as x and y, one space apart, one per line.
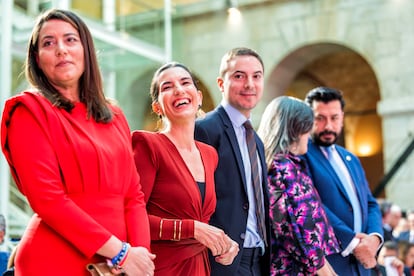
328 151
248 125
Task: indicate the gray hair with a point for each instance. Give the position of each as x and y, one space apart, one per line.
284 120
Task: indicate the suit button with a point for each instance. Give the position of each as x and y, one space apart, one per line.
246 206
242 236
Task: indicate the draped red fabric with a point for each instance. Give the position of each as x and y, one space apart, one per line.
80 179
172 193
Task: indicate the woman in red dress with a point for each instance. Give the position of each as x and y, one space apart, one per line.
177 176
69 153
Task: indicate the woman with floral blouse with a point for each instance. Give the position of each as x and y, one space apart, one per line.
302 235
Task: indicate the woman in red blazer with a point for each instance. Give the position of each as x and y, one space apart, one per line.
177 176
69 152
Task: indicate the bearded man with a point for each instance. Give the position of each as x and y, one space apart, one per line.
340 180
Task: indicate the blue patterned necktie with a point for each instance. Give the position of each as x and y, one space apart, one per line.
349 187
251 145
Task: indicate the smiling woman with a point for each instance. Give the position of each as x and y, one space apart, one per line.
178 179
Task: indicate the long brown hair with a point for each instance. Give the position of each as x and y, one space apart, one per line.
90 83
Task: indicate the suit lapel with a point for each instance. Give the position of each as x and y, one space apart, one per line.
231 135
328 168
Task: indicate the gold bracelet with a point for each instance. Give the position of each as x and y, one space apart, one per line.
175 231
161 221
177 237
179 231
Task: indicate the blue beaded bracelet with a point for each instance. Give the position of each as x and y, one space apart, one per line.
120 256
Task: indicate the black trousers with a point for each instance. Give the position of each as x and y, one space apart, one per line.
250 262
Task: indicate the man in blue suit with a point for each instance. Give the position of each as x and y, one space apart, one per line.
342 186
241 84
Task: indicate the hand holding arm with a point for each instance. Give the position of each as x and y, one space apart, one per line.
212 237
228 257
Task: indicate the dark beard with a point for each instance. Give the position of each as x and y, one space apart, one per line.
317 140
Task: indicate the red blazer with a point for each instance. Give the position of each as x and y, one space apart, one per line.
172 193
80 180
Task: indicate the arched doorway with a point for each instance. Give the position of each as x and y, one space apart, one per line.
337 66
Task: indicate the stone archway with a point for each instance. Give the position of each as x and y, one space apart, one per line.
340 67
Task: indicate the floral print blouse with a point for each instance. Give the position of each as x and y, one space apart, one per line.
302 235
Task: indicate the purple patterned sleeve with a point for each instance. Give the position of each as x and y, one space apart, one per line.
303 235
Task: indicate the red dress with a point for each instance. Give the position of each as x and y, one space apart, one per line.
80 180
172 193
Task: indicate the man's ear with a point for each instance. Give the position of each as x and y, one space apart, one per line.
220 82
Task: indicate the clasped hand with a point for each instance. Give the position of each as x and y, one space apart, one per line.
138 262
366 250
220 245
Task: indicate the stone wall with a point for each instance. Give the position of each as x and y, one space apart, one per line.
380 31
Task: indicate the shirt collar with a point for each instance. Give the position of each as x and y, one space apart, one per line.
236 117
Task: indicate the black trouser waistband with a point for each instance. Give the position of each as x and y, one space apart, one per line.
252 252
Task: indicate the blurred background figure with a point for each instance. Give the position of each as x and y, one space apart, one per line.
408 235
391 215
407 256
389 262
10 264
385 207
4 255
402 226
394 217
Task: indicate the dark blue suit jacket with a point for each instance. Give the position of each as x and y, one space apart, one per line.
231 213
338 206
